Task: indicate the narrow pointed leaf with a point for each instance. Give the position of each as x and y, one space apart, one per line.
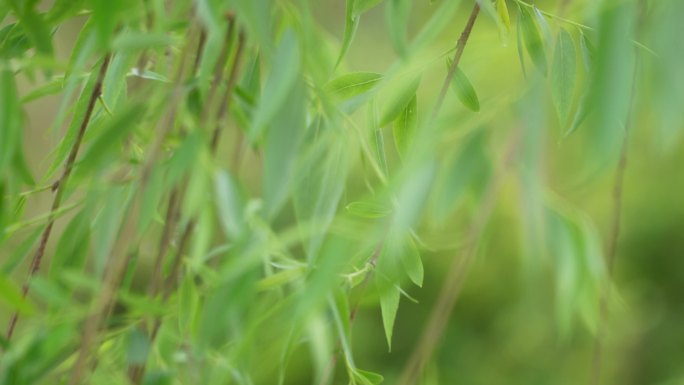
352 84
464 90
563 75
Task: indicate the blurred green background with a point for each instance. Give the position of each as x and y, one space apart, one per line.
505 329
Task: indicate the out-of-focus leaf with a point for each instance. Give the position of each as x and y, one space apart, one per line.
563 75
10 119
397 16
533 40
256 17
72 247
368 209
113 132
389 304
351 24
137 41
519 45
365 377
404 127
281 147
395 96
20 252
11 294
410 259
587 52
440 18
464 89
154 190
231 204
352 84
279 84
36 28
503 21
50 88
544 28
361 6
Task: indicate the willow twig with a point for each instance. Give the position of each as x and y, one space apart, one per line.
59 187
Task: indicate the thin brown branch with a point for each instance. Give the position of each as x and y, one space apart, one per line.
460 47
59 187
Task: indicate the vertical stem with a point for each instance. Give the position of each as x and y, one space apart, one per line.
60 186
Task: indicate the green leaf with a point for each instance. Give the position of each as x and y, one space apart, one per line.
395 97
464 89
72 247
563 75
397 16
368 209
11 294
587 51
351 24
111 136
352 84
533 40
36 29
503 21
410 259
49 88
152 195
440 19
279 84
367 378
281 147
521 54
138 41
389 304
21 251
404 127
10 119
231 204
361 6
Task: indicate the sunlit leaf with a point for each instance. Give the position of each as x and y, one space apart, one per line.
351 24
533 40
352 84
395 96
404 127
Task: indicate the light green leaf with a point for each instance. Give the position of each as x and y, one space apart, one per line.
464 89
503 21
352 84
72 247
279 84
563 75
397 15
361 6
368 378
281 147
231 204
410 259
395 96
533 40
137 41
111 136
389 304
404 127
11 294
21 251
368 209
351 24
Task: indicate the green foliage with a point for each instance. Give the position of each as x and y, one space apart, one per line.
208 192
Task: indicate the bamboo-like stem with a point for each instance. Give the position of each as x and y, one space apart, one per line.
59 187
